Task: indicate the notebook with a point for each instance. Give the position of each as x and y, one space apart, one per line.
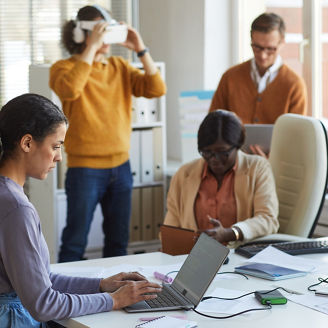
269 271
168 322
176 240
191 282
258 134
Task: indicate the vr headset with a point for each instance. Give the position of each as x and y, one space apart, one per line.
115 32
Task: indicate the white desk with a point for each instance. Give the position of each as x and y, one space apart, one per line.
289 315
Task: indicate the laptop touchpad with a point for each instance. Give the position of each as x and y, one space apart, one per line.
139 305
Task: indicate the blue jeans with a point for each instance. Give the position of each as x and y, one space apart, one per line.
85 188
13 314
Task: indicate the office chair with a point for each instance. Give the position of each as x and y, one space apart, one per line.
298 157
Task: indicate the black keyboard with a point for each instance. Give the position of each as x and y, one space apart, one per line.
292 248
164 299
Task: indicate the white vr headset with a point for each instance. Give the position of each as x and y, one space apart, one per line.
115 33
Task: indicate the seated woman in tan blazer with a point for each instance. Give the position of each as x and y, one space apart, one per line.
228 194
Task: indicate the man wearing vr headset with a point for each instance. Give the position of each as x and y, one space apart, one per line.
95 92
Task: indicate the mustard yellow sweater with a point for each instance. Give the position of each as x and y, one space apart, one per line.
238 93
97 102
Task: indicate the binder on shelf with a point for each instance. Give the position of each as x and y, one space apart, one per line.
135 223
147 213
158 154
158 209
139 105
152 108
147 156
135 152
144 110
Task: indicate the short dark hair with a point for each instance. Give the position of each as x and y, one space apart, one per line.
86 13
221 125
27 114
269 22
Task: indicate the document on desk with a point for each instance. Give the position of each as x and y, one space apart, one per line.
101 272
318 303
272 255
227 306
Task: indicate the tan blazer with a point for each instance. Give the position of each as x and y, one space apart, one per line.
255 193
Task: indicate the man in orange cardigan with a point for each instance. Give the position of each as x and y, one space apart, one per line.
263 88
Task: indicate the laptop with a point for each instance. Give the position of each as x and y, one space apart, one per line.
191 282
258 134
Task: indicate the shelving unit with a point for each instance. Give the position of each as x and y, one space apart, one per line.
148 165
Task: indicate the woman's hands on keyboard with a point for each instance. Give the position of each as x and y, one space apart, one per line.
133 292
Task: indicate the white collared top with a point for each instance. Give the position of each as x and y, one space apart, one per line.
262 81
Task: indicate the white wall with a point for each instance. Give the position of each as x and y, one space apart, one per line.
194 39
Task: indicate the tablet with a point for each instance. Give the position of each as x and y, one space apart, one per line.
177 241
258 134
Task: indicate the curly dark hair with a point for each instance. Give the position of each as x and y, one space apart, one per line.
85 13
221 125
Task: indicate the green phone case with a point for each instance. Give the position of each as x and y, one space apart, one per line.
274 297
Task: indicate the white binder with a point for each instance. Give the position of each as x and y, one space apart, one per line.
135 151
147 156
158 154
140 109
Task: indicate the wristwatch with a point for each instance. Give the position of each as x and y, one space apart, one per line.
142 52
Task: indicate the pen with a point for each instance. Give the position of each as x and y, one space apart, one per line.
162 277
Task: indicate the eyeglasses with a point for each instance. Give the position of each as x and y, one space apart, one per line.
207 154
268 50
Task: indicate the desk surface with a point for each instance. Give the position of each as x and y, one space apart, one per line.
289 315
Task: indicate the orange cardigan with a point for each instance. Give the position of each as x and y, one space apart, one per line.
237 92
97 102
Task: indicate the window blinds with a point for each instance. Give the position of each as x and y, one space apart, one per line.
30 33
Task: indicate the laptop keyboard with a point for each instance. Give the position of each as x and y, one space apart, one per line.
164 299
292 248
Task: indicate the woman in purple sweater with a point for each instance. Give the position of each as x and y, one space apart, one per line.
32 131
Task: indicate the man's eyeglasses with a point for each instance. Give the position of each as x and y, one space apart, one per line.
268 50
207 154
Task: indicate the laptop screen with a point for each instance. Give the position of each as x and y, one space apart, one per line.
200 267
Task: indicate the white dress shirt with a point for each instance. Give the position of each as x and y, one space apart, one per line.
262 81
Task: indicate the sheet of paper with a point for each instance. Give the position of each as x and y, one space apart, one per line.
226 306
318 303
272 255
97 272
101 272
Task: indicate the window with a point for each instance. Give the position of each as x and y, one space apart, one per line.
306 49
30 34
